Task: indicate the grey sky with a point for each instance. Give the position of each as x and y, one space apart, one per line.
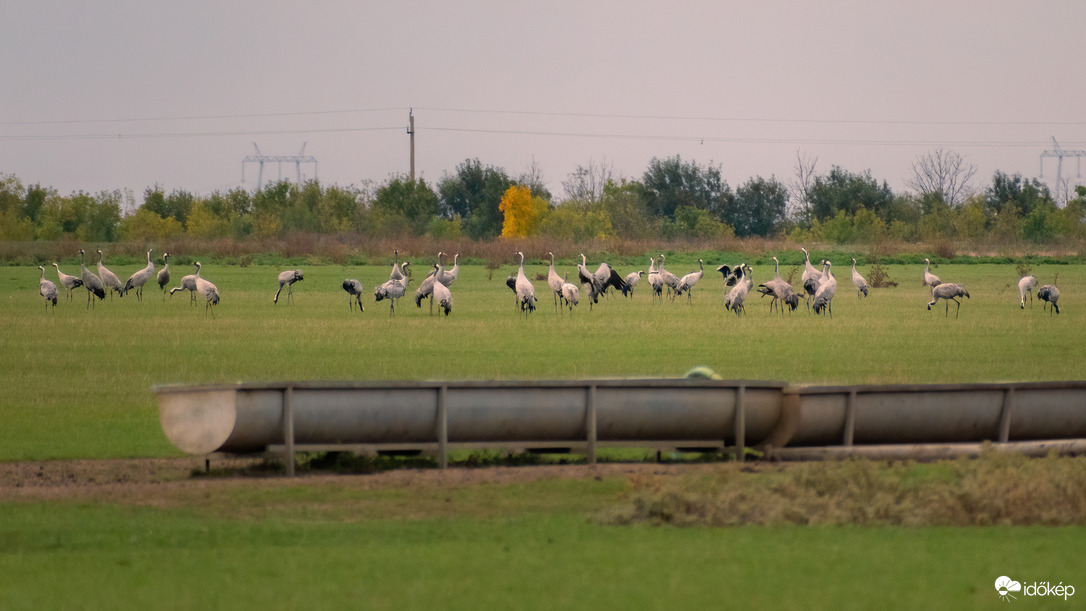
123 95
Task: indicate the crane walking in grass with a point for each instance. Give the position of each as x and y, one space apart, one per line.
687 282
164 274
354 292
47 289
138 279
950 292
188 283
92 283
1025 285
779 289
69 282
524 289
288 278
811 278
1050 294
930 280
571 295
858 281
823 299
737 296
555 282
109 279
210 293
630 281
443 296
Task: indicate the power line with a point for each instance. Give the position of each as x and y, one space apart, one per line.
200 117
145 136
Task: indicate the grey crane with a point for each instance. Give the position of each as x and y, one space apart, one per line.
524 289
1050 294
571 295
69 282
391 290
810 279
687 282
164 274
426 289
354 290
655 281
138 279
671 281
555 282
1025 285
737 296
452 274
288 278
779 289
930 279
109 279
630 281
599 281
443 297
210 293
858 281
92 283
397 273
188 283
950 292
47 289
823 298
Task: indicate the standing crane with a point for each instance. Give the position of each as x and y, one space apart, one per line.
737 296
779 289
69 282
391 290
671 281
687 282
810 279
930 279
570 293
950 292
1025 285
630 281
47 289
288 278
443 296
555 282
524 289
1050 294
164 274
92 283
655 281
210 293
858 281
138 279
823 299
109 279
354 292
426 289
452 274
188 283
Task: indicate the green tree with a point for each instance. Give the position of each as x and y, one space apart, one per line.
177 204
625 208
1014 192
842 190
414 201
672 184
473 194
759 205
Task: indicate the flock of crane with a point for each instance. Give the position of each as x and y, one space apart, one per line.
818 285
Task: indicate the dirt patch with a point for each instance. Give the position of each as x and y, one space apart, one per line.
169 481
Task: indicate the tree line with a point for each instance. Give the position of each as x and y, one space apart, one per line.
673 199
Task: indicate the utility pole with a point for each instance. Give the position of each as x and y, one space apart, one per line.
1059 153
411 132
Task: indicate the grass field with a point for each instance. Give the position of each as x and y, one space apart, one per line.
78 385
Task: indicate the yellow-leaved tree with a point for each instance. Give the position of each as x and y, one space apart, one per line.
522 212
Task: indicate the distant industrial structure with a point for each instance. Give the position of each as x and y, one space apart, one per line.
260 159
1062 189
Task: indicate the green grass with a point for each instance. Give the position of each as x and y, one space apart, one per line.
78 382
538 551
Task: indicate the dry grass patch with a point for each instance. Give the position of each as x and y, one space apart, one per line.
998 488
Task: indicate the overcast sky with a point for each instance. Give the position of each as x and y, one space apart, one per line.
123 95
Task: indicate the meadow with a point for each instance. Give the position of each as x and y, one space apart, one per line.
77 385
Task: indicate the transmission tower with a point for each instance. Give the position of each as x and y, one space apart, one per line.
1059 153
261 159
